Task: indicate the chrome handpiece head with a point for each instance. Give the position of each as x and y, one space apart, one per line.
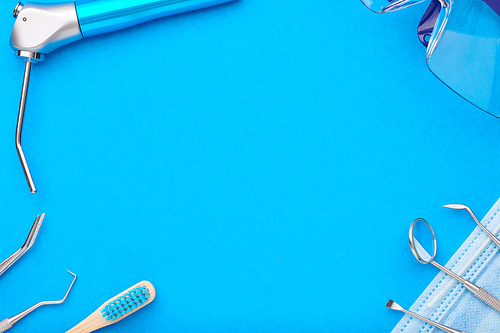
38 30
43 28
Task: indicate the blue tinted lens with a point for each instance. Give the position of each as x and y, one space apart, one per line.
464 52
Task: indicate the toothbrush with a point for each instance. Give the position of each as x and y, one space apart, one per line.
117 308
42 28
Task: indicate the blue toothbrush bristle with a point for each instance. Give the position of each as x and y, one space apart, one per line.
125 303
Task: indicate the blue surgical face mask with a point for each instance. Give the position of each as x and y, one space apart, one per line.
447 302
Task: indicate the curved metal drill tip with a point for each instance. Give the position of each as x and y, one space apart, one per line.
489 233
30 240
19 128
18 317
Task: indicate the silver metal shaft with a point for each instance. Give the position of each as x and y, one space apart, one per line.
450 273
19 128
395 306
489 233
21 315
7 263
479 292
433 323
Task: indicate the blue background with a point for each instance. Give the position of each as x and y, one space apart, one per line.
259 162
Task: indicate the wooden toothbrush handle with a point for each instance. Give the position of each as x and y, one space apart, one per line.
90 324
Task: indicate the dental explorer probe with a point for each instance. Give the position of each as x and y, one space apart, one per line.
7 323
395 306
42 28
486 231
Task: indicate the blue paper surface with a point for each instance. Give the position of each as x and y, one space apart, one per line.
259 162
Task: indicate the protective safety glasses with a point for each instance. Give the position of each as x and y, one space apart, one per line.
463 43
384 6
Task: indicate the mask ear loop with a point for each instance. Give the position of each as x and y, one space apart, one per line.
426 25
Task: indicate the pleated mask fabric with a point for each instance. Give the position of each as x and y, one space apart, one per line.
448 302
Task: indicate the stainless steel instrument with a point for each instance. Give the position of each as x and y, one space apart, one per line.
489 233
30 240
422 256
7 323
395 306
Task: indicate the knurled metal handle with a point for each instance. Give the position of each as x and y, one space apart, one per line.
5 325
487 298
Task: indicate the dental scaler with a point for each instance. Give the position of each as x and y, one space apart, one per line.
42 28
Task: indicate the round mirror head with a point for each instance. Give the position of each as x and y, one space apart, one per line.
427 239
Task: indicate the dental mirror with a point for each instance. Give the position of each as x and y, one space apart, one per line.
423 229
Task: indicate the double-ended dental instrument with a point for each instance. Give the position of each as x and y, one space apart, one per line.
395 306
42 28
7 324
425 258
30 240
487 232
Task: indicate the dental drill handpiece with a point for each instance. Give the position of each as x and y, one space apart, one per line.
42 28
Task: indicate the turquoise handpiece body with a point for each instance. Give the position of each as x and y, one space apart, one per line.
101 16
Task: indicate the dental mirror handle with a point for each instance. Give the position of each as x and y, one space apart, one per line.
479 292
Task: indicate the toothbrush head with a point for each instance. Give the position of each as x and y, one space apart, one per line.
117 308
128 302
